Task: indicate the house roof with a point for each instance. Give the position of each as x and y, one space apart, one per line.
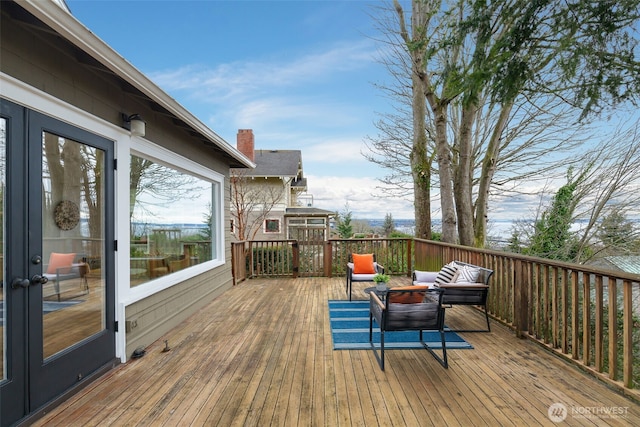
626 263
277 163
96 54
304 211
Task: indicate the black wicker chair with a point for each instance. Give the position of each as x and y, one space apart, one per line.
462 293
414 308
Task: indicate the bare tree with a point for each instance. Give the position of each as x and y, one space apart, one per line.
612 185
478 61
252 203
163 184
607 190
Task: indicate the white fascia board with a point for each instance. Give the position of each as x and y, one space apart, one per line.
75 32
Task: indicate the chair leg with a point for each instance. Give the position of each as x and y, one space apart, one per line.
379 357
486 314
442 360
382 349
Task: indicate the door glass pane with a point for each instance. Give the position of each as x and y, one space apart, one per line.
73 221
3 319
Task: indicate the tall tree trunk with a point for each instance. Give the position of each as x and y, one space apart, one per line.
420 164
420 160
489 165
463 176
446 183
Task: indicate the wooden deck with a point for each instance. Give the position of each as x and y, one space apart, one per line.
261 354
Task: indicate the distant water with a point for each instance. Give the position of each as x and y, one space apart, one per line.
498 230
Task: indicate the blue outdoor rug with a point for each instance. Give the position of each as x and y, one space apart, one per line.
350 331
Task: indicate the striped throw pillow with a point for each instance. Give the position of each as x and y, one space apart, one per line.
447 274
468 274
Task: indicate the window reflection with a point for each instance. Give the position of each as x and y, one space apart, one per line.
73 242
171 220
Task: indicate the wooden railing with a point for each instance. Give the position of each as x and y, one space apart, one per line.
586 315
277 258
264 258
394 254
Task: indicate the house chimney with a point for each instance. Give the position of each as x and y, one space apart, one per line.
246 144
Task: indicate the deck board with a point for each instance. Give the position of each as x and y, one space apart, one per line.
261 354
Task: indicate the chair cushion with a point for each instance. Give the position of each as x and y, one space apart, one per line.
468 274
412 296
424 277
363 264
57 260
447 274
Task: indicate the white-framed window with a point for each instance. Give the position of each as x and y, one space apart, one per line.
176 211
272 225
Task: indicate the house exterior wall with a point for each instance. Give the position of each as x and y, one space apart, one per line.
51 66
260 187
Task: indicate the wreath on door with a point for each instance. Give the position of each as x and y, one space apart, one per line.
67 215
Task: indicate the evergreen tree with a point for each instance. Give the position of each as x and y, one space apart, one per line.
388 226
552 237
617 233
345 229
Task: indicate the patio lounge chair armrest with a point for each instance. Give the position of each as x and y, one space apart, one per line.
375 299
463 286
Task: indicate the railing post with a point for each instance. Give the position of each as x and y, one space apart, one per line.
627 334
234 260
521 296
409 258
252 272
295 248
328 259
612 284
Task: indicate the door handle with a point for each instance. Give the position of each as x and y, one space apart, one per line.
39 279
20 283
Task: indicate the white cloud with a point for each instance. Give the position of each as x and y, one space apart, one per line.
335 151
240 81
288 101
364 201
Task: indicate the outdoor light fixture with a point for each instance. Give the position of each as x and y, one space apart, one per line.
135 124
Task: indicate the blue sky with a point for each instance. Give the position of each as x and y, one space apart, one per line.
299 73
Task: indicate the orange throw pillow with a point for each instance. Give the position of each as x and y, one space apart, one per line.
57 261
407 297
363 264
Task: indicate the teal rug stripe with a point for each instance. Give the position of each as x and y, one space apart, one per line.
350 331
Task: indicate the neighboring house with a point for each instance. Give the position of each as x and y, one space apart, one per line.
276 204
96 264
626 263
